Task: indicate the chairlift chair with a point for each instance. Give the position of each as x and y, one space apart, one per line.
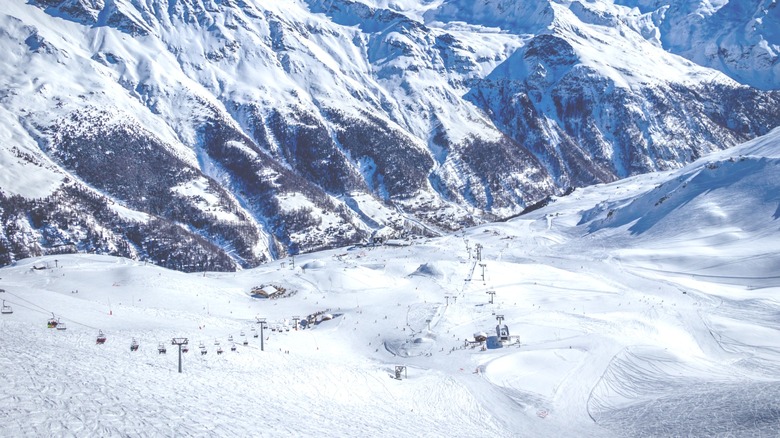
233 347
216 342
101 338
242 333
52 322
203 350
134 345
219 350
61 325
230 338
246 341
161 348
255 334
185 348
6 309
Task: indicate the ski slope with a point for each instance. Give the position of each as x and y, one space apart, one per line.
646 307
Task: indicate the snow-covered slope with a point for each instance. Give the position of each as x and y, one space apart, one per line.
739 38
644 307
257 129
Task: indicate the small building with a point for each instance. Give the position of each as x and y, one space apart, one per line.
266 291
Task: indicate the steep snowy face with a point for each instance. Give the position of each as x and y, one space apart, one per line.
595 101
527 17
255 129
740 38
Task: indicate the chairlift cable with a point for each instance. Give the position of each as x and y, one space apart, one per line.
29 302
46 311
43 310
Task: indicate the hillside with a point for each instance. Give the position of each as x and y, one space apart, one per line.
643 307
205 135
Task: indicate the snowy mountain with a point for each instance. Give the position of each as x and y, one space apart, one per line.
219 135
739 38
642 307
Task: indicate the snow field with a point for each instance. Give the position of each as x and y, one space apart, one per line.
667 328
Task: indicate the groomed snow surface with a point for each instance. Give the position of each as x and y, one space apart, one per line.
647 307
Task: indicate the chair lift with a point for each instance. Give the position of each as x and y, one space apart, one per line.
101 338
255 332
246 342
203 348
219 350
185 348
61 325
134 345
52 322
233 347
6 309
242 333
216 342
230 338
161 348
